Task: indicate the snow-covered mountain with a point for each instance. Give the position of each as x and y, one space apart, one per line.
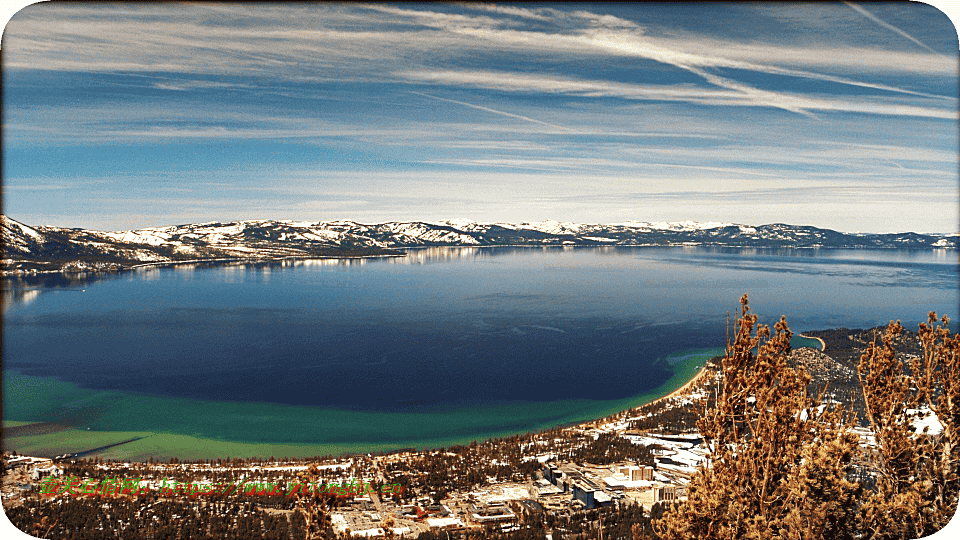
43 248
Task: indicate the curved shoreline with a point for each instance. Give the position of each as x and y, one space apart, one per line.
679 391
159 443
823 345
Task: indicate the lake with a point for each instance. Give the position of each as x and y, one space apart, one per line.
444 345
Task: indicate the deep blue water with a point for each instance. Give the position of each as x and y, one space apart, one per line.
447 327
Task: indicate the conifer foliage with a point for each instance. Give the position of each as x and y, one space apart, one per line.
781 460
778 456
916 469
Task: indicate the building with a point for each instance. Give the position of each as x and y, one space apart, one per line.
448 523
590 494
561 476
666 493
584 494
493 513
634 473
39 473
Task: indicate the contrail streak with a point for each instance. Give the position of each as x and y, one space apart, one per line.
758 96
887 25
494 111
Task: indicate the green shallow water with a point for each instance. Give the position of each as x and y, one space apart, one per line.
803 341
189 428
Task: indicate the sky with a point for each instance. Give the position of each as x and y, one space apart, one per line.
131 115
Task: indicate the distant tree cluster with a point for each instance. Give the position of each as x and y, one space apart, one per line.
667 416
616 523
462 467
610 448
86 518
845 347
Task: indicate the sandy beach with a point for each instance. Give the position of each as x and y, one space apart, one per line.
683 389
823 345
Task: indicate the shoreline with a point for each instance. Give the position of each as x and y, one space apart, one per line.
191 444
262 260
823 344
680 391
677 392
706 368
214 261
5 273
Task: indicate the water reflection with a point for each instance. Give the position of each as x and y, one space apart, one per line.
932 269
25 289
585 322
18 296
148 274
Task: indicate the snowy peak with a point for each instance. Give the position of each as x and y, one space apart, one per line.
555 227
29 248
459 223
686 225
17 237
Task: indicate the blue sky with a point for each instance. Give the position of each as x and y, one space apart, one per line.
842 116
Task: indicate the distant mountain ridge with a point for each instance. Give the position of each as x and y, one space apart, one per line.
43 248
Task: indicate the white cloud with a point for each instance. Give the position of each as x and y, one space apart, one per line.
694 112
199 39
732 93
494 111
542 14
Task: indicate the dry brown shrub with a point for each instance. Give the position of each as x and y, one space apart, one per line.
916 471
779 458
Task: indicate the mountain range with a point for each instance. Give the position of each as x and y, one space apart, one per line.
30 249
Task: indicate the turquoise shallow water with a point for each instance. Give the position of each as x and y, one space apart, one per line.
446 345
319 431
323 430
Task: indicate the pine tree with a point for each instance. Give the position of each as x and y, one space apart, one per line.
778 457
917 485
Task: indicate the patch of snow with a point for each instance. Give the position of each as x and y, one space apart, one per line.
322 235
599 239
15 225
300 224
686 225
458 223
153 237
927 419
554 227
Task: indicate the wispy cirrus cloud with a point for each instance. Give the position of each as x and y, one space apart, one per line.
495 111
105 40
731 93
886 25
117 43
545 83
478 104
609 164
539 14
